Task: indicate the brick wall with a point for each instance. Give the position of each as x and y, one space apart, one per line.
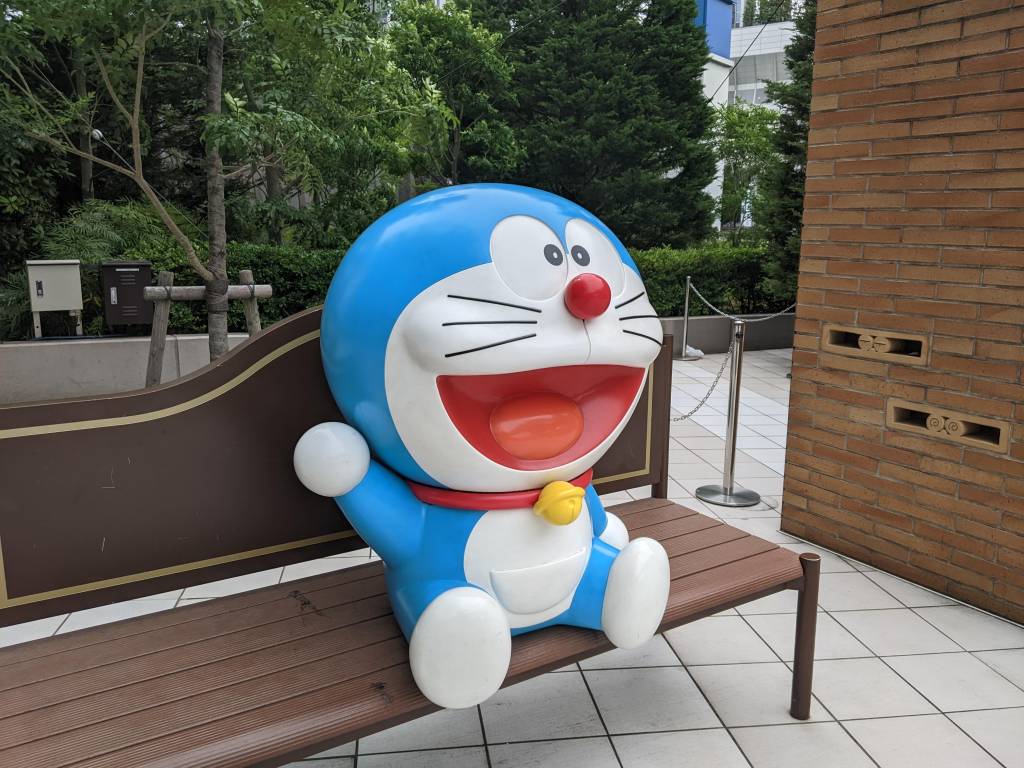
914 229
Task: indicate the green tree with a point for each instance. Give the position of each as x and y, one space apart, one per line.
611 110
443 46
749 12
316 109
744 140
778 209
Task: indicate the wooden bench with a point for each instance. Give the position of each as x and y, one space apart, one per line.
264 677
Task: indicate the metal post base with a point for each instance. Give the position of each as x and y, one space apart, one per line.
716 494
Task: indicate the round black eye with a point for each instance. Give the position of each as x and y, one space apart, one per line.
553 254
580 255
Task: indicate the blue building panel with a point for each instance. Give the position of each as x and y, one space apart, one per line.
716 18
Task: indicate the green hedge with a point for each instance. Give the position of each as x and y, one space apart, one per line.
299 278
729 276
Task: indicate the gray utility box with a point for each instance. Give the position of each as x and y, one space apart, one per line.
123 285
54 285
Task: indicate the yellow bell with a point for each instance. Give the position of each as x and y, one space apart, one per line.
560 503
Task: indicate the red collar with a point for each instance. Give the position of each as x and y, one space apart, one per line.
442 497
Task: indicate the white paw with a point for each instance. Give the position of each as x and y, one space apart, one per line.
615 532
636 595
331 458
460 648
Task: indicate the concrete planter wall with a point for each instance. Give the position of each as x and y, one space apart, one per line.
711 333
47 370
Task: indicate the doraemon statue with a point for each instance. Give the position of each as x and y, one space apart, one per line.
486 344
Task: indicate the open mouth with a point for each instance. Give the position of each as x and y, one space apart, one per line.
540 419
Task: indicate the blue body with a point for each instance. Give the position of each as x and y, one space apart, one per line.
423 547
402 254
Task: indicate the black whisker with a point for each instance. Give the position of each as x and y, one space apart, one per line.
492 301
495 344
643 335
630 301
638 317
491 322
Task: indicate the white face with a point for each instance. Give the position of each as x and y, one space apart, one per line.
523 370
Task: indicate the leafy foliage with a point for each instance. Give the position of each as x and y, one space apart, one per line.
778 208
729 276
744 141
444 47
610 110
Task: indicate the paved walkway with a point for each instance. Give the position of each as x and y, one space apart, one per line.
905 677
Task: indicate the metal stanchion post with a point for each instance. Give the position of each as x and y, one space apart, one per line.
686 322
727 494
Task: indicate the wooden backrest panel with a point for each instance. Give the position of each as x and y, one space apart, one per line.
111 497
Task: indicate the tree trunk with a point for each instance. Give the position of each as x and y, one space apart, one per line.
216 289
84 129
273 177
406 187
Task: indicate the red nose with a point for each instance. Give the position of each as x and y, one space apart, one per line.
587 296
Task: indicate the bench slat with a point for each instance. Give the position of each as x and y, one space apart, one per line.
251 680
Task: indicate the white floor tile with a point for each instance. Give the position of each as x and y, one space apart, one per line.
832 641
699 749
654 653
333 762
999 731
852 592
30 630
1010 664
316 567
975 630
918 742
909 594
447 728
957 681
830 561
173 594
897 631
552 706
236 584
572 753
855 688
468 757
653 699
780 602
751 694
718 640
105 614
341 751
803 745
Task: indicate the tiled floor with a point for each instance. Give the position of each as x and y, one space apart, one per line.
904 677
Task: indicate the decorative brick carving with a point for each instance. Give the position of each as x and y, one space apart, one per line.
907 348
926 419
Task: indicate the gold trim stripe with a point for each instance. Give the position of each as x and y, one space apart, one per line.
170 570
172 410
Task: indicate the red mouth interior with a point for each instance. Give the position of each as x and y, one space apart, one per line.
540 419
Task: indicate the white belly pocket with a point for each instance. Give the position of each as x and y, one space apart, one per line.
540 587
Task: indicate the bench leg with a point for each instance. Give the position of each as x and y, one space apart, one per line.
806 619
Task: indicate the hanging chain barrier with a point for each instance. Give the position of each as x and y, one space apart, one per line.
717 311
707 395
728 353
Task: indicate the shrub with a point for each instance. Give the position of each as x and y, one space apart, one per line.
728 276
299 277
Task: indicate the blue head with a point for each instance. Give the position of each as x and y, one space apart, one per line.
488 337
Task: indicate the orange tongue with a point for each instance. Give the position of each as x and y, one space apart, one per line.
536 426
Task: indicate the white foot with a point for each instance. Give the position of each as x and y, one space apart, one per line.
615 532
460 648
636 595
